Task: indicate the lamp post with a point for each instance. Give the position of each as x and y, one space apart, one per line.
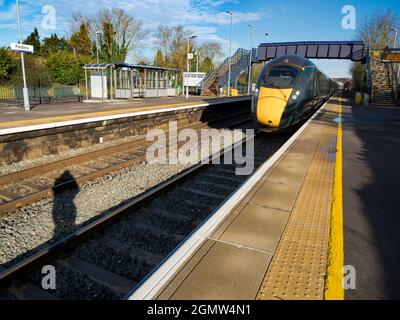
97 46
230 55
24 89
394 46
266 37
187 62
250 58
197 61
395 36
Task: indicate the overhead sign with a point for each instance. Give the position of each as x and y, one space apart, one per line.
193 79
20 47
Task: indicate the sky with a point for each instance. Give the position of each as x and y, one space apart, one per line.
283 20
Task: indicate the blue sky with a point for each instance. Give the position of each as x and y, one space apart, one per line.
283 20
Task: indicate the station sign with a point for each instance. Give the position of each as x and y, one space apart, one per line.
20 47
391 56
193 79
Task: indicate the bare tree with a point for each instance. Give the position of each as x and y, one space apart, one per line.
163 36
211 49
375 30
173 44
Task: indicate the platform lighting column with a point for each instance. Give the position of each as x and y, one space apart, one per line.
394 46
102 86
86 85
266 38
230 55
187 62
24 89
250 58
97 46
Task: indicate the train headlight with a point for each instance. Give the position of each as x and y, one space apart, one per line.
256 93
295 95
254 100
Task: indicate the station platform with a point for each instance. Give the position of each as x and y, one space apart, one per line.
44 116
329 201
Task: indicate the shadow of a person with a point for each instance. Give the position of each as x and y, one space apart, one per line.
64 209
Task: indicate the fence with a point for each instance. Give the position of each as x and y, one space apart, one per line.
40 91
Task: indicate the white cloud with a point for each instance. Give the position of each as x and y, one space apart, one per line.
203 17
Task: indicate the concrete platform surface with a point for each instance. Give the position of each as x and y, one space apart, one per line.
265 248
12 117
371 200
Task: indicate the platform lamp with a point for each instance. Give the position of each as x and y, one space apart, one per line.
230 55
250 58
97 45
266 37
187 61
394 46
395 37
25 88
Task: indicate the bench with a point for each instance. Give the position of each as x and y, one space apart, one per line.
42 94
67 92
19 94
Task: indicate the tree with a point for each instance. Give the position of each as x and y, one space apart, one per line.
7 65
212 50
120 33
174 45
80 40
34 40
359 77
375 30
54 44
66 67
207 65
158 61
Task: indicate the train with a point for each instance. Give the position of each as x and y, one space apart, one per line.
288 91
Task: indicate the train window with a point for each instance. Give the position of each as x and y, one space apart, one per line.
281 77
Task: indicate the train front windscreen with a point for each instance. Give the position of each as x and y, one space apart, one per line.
280 77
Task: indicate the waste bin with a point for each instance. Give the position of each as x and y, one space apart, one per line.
178 89
365 99
358 98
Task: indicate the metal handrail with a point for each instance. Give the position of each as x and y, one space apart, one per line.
223 67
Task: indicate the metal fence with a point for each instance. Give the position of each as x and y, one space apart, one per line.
41 91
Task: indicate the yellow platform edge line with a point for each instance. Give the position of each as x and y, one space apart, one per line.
334 275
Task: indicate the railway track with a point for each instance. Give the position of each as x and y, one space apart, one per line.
109 257
27 186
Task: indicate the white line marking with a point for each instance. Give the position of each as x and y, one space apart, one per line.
157 280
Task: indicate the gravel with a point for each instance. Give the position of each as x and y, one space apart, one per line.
132 268
23 231
73 285
26 164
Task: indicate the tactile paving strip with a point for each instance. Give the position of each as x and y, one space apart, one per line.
298 267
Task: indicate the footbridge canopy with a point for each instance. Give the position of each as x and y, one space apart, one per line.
353 50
